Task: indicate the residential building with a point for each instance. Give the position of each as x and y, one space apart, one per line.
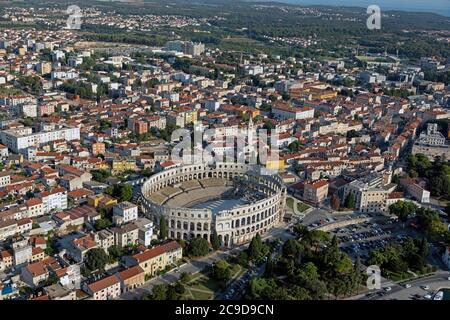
124 212
104 289
157 258
131 278
316 192
55 199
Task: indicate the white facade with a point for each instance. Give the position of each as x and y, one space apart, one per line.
56 200
5 179
19 140
126 211
293 113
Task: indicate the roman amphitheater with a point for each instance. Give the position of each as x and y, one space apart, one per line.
235 200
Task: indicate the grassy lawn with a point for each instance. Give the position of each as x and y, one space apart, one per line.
205 283
200 295
394 276
302 207
290 203
202 287
239 272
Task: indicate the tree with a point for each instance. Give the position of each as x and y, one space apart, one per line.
173 291
185 277
402 209
100 175
350 201
255 248
103 223
300 230
335 202
261 288
357 275
221 270
215 242
51 247
179 289
242 259
159 292
96 259
269 271
294 146
291 248
163 232
122 192
198 247
126 193
115 252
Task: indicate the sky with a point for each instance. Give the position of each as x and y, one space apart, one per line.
437 6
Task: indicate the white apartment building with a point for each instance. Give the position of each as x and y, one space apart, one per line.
286 112
5 179
124 212
26 110
145 232
21 139
35 208
104 289
55 199
16 100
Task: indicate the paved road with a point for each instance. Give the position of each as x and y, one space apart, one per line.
436 281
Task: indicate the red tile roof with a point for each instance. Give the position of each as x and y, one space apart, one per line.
130 272
103 283
156 251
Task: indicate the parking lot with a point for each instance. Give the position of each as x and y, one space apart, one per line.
360 239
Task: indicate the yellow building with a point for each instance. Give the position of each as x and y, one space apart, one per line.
119 166
275 164
250 111
101 200
158 258
191 116
323 94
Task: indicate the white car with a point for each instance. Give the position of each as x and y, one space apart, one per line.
425 287
387 289
448 278
407 286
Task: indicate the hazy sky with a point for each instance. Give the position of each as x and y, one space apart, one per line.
437 6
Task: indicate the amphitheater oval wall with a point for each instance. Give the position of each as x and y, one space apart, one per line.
234 226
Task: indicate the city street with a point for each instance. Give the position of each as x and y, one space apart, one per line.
435 282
